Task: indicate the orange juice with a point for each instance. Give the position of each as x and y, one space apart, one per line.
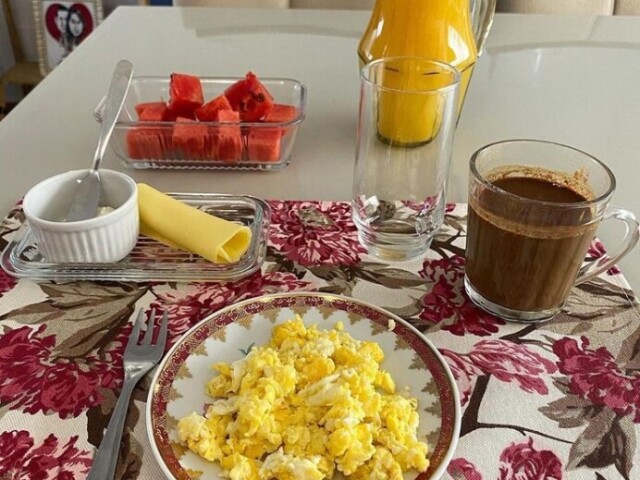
410 98
435 29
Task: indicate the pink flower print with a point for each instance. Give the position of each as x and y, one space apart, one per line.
471 319
595 375
7 282
187 309
36 380
21 459
447 304
463 469
464 372
597 251
521 461
451 268
315 233
440 302
445 297
508 361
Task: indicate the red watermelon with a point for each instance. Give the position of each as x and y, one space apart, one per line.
250 98
209 111
190 138
146 143
149 142
264 144
153 112
281 113
141 107
185 95
226 140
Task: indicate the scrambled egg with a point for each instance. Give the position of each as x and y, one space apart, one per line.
307 404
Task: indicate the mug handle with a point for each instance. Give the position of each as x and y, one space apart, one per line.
608 260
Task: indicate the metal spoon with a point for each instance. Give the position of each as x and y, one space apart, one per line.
87 196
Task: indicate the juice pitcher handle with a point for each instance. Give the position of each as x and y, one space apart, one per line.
482 12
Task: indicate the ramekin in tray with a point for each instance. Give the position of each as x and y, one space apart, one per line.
265 145
107 237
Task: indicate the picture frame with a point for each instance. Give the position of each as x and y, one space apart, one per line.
61 25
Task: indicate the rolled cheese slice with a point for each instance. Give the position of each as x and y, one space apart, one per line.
182 226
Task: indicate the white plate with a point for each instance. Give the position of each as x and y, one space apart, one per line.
178 387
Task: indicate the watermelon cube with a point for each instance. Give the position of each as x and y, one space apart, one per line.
156 112
263 144
186 95
149 142
209 111
226 140
146 143
250 98
189 138
141 107
281 113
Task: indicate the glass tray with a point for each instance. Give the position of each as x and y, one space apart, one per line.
152 261
149 145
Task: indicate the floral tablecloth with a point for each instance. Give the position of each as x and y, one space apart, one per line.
556 401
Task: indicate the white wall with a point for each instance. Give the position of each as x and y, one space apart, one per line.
110 5
23 18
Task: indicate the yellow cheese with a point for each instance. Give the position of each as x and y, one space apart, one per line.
182 226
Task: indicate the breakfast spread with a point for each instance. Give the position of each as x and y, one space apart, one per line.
307 405
182 226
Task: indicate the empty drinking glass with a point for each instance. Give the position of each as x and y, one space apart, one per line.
405 135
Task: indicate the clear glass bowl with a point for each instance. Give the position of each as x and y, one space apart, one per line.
160 152
150 260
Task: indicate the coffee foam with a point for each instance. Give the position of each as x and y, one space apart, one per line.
578 182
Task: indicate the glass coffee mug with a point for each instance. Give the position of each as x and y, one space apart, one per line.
534 208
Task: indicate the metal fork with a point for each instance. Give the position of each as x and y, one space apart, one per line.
138 360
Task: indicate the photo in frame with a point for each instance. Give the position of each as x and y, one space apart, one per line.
61 26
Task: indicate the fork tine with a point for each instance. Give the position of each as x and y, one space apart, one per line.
164 326
148 335
135 333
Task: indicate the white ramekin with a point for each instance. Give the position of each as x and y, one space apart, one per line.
103 239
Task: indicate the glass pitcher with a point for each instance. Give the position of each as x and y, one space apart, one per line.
438 29
482 12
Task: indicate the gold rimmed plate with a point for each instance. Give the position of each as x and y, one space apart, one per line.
178 387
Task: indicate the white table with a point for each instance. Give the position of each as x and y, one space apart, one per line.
566 78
